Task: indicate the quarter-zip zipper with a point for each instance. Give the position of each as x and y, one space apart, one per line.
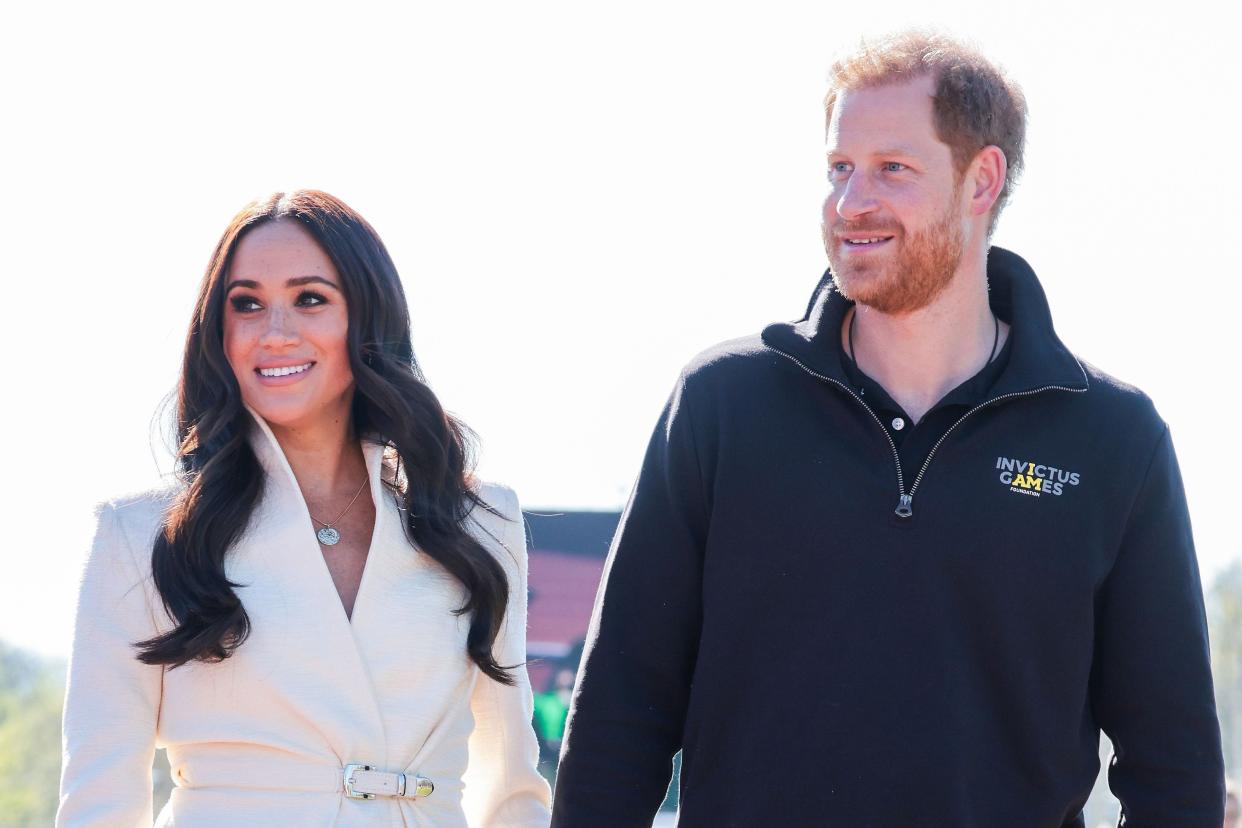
904 503
905 500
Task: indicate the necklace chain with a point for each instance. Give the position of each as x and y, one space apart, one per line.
991 356
330 524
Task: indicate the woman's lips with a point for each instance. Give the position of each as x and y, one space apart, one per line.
283 374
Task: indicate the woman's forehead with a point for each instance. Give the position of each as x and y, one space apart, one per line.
279 251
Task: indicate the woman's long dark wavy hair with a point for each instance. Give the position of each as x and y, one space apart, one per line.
221 476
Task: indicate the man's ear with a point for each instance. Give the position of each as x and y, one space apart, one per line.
985 178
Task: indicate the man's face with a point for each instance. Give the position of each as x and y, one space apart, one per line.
894 219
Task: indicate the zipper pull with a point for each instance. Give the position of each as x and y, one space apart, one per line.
905 508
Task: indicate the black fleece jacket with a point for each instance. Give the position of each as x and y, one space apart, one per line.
824 661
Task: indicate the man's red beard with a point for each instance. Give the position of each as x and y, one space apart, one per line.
923 266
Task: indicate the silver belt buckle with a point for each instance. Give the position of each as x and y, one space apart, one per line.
423 787
349 781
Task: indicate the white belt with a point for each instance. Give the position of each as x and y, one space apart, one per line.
365 782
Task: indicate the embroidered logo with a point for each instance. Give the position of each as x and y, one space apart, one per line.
1027 478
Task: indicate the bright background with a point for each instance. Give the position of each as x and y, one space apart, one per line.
580 197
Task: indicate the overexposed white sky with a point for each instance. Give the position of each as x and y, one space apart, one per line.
579 196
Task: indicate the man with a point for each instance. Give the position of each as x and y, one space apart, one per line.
898 563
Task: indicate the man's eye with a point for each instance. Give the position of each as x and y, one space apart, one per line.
308 298
894 166
244 304
838 169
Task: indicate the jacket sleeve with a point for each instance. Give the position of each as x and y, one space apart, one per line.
112 700
1152 682
503 783
630 702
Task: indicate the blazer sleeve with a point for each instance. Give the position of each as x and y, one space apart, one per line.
503 783
1152 680
112 700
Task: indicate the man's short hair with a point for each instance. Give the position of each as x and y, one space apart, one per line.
975 104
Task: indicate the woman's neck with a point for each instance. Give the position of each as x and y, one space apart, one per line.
325 456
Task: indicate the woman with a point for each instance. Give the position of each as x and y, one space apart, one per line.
324 621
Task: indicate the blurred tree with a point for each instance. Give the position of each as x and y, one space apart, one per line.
31 691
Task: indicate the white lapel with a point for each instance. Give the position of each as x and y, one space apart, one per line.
409 635
296 614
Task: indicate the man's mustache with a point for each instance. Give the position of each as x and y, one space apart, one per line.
879 228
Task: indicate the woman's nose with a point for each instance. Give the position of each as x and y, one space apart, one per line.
281 330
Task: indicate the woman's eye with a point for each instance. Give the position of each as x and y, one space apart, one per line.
309 298
244 304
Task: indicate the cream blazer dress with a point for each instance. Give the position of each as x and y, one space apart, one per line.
263 738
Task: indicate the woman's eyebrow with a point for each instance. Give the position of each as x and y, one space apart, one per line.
296 281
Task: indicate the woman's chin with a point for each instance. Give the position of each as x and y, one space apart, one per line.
291 413
303 407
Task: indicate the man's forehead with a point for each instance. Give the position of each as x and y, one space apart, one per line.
895 116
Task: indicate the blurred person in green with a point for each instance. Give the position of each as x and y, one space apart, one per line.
551 711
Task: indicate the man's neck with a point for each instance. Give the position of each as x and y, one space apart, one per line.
921 356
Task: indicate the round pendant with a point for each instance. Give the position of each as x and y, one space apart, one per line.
328 536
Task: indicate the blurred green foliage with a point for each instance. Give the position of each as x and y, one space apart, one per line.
31 690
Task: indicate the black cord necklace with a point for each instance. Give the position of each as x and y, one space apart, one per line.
991 356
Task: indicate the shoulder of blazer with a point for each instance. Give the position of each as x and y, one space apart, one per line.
140 515
498 524
125 532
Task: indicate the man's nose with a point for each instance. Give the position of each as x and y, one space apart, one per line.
854 198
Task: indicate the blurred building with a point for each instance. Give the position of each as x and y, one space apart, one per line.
567 552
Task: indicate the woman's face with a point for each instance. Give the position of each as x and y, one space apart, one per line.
285 322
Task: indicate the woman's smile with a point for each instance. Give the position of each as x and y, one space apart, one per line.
277 375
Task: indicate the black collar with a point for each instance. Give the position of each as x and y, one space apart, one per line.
1037 358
